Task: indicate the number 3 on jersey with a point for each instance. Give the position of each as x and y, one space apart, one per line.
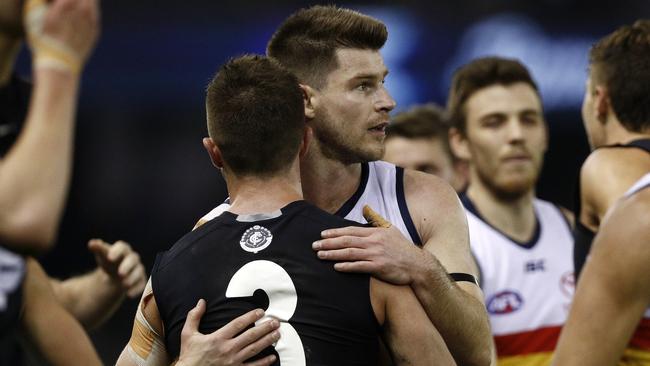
283 299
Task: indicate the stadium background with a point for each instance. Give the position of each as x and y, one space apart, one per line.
141 173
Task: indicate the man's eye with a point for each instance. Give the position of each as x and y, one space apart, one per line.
364 87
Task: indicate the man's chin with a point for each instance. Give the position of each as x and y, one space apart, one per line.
514 189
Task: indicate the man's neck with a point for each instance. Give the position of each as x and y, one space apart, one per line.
328 183
617 134
514 217
252 195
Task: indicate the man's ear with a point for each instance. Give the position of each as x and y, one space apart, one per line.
458 144
213 152
310 98
602 103
307 136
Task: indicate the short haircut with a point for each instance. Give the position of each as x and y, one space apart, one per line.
422 122
256 115
479 74
307 41
621 62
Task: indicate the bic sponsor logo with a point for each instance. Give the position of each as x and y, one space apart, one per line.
504 302
536 265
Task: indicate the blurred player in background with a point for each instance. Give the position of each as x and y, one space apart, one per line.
522 244
418 139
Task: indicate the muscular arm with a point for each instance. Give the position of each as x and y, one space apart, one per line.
614 288
92 298
455 308
58 336
409 335
226 346
34 175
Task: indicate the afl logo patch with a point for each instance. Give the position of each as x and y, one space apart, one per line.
504 302
255 239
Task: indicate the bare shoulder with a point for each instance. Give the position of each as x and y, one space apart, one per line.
633 215
608 173
622 246
620 166
433 203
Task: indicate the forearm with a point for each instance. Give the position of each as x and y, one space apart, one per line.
56 334
91 298
459 316
35 173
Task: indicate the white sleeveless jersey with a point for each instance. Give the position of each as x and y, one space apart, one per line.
382 188
638 349
527 286
640 184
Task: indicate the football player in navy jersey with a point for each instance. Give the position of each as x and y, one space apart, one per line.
334 52
257 253
609 321
35 171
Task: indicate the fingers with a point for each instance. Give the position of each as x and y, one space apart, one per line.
254 340
240 323
268 360
340 242
128 264
348 231
98 247
356 267
374 218
346 254
191 325
136 282
118 251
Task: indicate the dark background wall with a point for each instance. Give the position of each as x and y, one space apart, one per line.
141 173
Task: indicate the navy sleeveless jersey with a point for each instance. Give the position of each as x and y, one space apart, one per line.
582 235
239 263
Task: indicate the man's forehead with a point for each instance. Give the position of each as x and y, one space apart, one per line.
498 98
359 63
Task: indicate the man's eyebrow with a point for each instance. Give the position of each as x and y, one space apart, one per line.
371 75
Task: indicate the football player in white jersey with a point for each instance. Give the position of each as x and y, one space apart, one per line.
335 54
521 244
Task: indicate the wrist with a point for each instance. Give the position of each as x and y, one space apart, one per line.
427 271
109 282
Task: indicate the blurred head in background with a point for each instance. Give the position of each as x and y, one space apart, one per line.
418 139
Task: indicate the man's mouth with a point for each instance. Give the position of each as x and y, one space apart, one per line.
379 128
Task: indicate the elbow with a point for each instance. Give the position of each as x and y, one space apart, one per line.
29 232
482 357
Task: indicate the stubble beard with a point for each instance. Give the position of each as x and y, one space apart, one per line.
336 145
510 190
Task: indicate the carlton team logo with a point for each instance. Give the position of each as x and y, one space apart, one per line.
255 239
504 302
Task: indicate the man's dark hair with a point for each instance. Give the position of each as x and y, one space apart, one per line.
479 74
307 41
256 115
421 121
621 62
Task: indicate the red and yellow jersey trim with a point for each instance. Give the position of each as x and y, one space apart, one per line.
542 340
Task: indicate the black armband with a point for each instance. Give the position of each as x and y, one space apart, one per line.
466 277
